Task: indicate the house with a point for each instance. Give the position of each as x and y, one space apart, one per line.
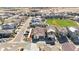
8 26
62 38
62 35
36 19
14 20
63 30
37 22
4 39
17 21
38 34
73 34
76 18
50 36
51 29
5 33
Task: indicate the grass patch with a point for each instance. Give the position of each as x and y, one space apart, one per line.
61 22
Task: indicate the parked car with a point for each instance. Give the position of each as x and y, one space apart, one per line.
26 33
21 49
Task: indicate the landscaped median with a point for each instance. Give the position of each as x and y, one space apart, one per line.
61 22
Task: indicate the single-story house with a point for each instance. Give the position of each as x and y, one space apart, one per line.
73 34
63 30
5 33
38 34
76 18
9 26
50 36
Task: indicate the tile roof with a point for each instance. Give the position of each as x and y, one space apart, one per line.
38 31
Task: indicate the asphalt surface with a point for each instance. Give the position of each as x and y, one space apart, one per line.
19 36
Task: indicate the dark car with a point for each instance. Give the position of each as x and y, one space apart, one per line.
22 49
62 38
26 33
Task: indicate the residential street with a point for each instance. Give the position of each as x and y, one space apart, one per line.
17 42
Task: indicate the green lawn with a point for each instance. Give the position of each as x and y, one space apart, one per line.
62 23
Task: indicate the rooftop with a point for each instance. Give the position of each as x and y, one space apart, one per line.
38 31
6 31
62 29
73 29
51 29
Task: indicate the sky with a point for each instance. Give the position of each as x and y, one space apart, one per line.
39 3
